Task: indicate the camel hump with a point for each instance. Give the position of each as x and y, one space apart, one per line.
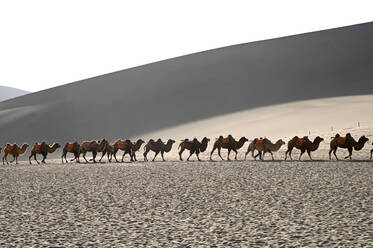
259 142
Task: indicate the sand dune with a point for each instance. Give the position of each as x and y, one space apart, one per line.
9 93
144 99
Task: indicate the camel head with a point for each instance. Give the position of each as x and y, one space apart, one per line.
243 139
363 140
140 141
348 135
205 139
171 141
57 145
280 141
318 139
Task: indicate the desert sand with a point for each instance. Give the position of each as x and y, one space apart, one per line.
173 204
208 203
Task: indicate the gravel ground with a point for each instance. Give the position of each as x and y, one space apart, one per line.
172 204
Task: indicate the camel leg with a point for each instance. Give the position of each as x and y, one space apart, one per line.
155 155
62 158
36 159
162 152
115 155
16 158
371 152
301 153
103 154
3 160
181 153
229 152
220 154
349 153
84 153
29 158
271 155
235 157
190 154
259 154
262 158
213 149
134 156
286 153
335 154
330 153
246 153
44 157
123 156
197 153
6 158
94 153
145 153
309 154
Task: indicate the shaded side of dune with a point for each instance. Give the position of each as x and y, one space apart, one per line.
128 103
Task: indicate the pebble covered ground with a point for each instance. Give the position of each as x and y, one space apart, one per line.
173 204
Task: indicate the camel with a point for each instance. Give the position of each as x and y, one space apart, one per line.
157 147
109 150
264 145
73 148
228 143
346 142
194 146
128 147
15 151
43 149
94 147
256 144
303 144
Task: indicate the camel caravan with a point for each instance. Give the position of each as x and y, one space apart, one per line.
194 146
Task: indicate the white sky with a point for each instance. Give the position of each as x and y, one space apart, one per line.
48 43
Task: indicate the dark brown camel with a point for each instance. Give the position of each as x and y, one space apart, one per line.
73 148
194 146
304 145
15 151
92 146
42 149
157 147
348 143
228 143
128 147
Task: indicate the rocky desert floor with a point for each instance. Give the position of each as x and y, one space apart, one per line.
188 204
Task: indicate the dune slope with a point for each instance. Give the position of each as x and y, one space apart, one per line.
9 93
151 97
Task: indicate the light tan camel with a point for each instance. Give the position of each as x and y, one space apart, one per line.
15 151
194 146
42 149
264 146
228 143
303 144
348 143
157 147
